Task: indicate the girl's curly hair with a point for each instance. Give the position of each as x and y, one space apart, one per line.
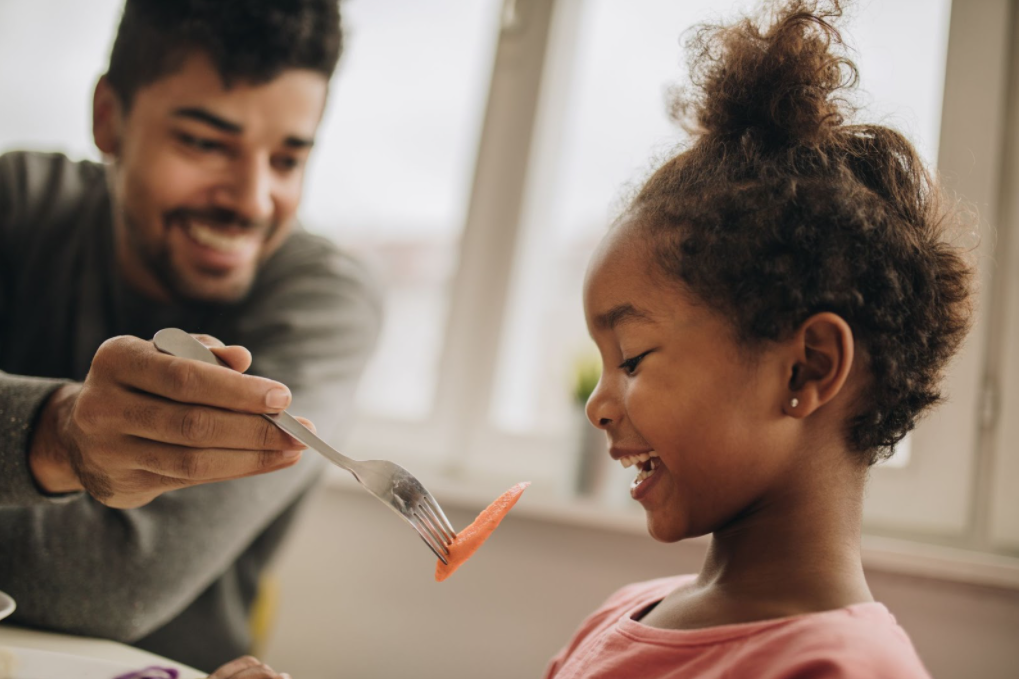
778 209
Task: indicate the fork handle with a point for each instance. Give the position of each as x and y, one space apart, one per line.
178 343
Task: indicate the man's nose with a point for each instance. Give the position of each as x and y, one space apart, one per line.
602 406
251 189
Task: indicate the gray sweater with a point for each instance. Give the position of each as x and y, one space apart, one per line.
178 575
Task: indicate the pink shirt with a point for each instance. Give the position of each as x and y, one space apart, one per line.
859 641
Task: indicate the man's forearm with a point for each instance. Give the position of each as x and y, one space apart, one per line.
48 457
22 400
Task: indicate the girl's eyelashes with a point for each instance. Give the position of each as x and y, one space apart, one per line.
630 364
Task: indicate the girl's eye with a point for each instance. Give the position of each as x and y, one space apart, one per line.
630 364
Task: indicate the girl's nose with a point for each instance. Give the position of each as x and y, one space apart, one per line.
602 407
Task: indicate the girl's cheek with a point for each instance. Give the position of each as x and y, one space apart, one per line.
640 406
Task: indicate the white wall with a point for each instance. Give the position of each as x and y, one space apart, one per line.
359 600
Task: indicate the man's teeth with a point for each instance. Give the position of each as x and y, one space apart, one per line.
631 460
216 240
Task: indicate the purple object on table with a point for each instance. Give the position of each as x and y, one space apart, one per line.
151 673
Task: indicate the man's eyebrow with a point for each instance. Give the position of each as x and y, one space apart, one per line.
209 118
622 313
224 125
298 143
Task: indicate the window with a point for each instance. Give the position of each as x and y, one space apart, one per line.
604 121
586 146
52 52
392 172
475 151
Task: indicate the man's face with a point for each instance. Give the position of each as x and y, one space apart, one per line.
206 180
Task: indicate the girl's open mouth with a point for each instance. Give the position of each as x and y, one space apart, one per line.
647 470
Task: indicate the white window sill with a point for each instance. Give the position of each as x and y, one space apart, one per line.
887 555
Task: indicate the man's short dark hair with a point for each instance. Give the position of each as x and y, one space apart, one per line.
249 41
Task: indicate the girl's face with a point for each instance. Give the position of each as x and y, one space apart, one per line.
674 385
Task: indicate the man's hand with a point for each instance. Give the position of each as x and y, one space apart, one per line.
145 422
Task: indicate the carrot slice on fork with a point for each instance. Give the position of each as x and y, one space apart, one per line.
473 536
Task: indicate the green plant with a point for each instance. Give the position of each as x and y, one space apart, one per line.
586 373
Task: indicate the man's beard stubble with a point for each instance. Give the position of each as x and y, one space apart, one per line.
156 257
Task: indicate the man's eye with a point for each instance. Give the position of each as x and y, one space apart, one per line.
630 364
200 144
285 163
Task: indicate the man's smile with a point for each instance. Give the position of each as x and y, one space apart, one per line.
217 244
217 238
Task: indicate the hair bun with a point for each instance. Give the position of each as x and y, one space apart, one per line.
776 85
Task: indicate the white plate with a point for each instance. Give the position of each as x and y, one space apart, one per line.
30 663
6 605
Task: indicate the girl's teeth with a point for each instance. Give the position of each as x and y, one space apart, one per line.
640 458
646 470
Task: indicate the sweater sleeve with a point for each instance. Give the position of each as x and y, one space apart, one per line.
21 398
314 332
83 568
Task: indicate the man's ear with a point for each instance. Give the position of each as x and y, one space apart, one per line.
820 364
107 118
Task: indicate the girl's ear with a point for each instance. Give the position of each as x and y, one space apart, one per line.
106 119
823 347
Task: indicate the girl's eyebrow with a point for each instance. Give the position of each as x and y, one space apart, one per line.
621 313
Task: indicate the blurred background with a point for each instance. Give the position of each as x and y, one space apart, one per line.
474 151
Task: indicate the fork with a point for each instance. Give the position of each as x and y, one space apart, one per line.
388 481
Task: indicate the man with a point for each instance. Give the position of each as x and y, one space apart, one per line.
134 502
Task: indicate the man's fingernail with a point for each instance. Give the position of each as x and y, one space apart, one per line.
277 398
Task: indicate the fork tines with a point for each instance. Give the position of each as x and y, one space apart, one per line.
433 527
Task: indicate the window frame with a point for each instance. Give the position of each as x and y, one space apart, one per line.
999 519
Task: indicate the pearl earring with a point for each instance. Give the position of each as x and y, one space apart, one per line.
795 402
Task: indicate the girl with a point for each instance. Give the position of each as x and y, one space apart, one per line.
774 311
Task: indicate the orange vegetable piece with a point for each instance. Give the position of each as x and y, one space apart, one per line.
473 536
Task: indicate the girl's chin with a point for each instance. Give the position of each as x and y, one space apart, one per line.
666 529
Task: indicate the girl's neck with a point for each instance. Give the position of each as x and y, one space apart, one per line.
807 561
793 554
